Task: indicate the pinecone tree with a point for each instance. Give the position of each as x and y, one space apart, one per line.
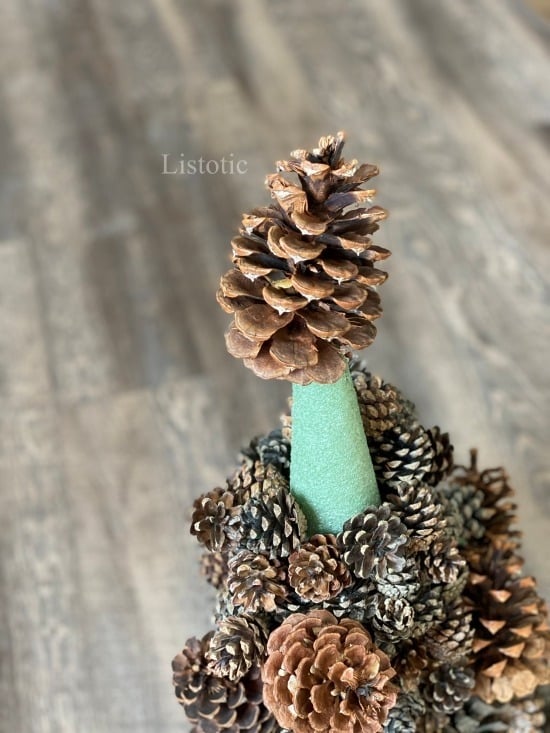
302 289
316 571
271 522
215 704
401 455
255 583
372 543
511 641
236 646
325 675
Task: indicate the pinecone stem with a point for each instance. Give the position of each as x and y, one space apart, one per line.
331 472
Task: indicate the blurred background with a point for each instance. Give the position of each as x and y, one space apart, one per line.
119 402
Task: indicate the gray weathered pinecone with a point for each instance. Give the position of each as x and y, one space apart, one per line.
448 687
404 583
520 716
442 462
271 449
401 454
271 522
236 646
372 543
405 713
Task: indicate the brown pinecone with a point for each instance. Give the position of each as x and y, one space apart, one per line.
421 511
325 675
214 568
522 716
381 405
215 515
271 522
247 481
315 571
497 512
405 713
392 618
372 543
511 642
448 687
401 455
451 639
216 704
256 583
429 608
442 463
411 663
236 646
442 561
302 286
271 449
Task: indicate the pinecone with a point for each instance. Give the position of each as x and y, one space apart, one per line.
271 522
421 511
511 641
451 639
325 675
442 562
442 463
411 661
392 618
247 481
523 716
214 568
429 608
497 512
405 713
302 286
448 687
372 543
236 646
271 449
215 704
401 584
214 517
401 455
465 512
353 602
382 406
315 571
255 583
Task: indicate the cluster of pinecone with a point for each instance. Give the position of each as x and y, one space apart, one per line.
415 617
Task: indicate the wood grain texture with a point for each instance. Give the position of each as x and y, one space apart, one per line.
119 404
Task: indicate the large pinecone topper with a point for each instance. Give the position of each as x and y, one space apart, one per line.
410 613
302 286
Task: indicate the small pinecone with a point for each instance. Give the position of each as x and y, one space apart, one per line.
442 463
236 646
442 561
215 704
353 602
422 513
452 638
315 571
271 449
511 641
381 405
214 568
372 543
325 675
215 515
484 503
522 716
255 583
403 716
392 618
272 523
401 455
429 608
302 289
448 687
400 584
247 481
465 512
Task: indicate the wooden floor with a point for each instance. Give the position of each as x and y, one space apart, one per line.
119 404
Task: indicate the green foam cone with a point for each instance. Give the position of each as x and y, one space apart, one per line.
331 472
